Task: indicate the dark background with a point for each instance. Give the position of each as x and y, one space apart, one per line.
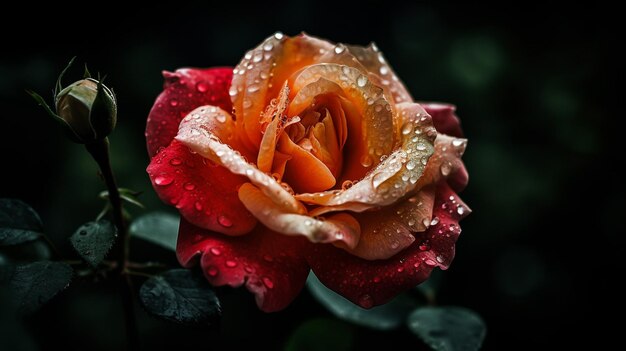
532 86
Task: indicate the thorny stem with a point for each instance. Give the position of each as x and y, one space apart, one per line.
99 150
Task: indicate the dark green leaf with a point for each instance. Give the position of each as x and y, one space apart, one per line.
321 335
93 240
385 317
160 228
448 328
36 283
180 296
19 223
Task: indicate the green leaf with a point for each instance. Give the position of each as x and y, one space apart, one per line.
19 223
321 334
159 228
93 240
180 296
448 328
385 317
36 283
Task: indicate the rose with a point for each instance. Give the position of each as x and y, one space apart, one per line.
308 155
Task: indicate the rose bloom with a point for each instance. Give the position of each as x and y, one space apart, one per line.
308 155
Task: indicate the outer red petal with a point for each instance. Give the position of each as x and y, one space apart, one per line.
205 194
371 283
270 265
444 118
184 90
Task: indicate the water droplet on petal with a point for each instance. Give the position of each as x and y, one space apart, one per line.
400 269
378 179
215 251
202 87
435 221
407 128
424 246
163 180
248 269
361 81
457 142
366 161
253 87
384 70
189 186
198 206
278 35
212 271
176 161
430 262
268 282
231 264
173 102
268 46
439 259
445 168
225 221
220 117
339 49
460 210
366 301
410 165
347 185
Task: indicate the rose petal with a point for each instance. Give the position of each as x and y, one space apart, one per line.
398 174
444 118
261 73
374 62
270 265
204 193
304 172
446 163
374 109
194 134
371 283
339 227
184 90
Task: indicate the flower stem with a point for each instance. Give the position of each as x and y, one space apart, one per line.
99 150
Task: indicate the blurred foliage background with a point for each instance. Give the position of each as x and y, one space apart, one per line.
531 84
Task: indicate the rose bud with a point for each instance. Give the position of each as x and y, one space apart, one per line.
89 108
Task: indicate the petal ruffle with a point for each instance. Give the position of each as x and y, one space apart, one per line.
371 283
444 118
184 90
270 265
195 134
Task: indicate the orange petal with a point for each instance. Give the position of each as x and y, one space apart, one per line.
304 172
340 227
369 100
194 133
273 130
398 174
446 160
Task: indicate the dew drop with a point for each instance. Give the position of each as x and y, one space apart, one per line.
225 221
231 264
163 180
220 117
347 185
366 160
198 206
202 87
460 210
278 35
411 222
253 88
384 70
215 251
248 269
268 282
407 128
421 146
424 246
366 301
439 259
435 221
400 269
361 81
176 161
232 91
212 271
378 179
410 165
457 142
339 49
430 262
268 46
189 186
173 102
445 168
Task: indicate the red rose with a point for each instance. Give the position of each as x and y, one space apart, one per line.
308 155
